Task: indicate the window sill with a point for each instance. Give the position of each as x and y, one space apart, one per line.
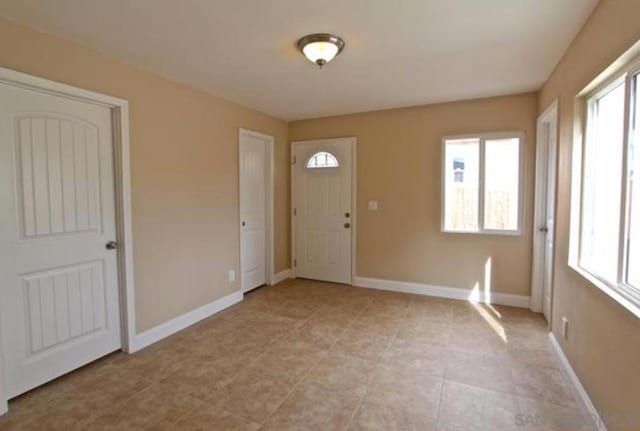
617 294
484 232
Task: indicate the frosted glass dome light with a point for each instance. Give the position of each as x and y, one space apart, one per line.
320 48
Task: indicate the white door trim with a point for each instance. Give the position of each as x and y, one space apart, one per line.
269 217
543 149
354 199
120 124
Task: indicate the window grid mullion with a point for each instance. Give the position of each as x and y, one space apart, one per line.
481 185
625 211
592 112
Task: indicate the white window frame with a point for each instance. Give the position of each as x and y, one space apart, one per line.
622 292
482 138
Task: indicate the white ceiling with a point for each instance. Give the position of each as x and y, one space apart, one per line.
398 52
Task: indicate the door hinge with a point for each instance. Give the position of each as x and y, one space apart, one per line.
295 212
293 160
295 263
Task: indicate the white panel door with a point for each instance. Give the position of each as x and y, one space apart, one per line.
548 229
253 185
323 209
58 281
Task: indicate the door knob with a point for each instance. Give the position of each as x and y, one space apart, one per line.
111 245
347 225
244 223
347 215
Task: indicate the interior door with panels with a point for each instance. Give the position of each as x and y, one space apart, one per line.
58 269
323 209
253 183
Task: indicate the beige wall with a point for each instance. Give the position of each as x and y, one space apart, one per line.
604 339
184 168
399 157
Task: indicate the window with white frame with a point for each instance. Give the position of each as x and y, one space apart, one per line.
482 183
609 192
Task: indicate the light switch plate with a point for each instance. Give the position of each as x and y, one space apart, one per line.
373 206
232 275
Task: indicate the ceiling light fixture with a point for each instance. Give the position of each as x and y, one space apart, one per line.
320 48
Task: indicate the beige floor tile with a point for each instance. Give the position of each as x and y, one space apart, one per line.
479 338
430 358
253 395
536 415
314 408
430 310
372 322
161 402
531 339
305 355
75 400
329 314
469 408
341 373
321 334
30 407
374 415
465 311
289 359
425 331
410 392
533 358
208 419
359 342
488 373
202 375
285 307
546 384
155 362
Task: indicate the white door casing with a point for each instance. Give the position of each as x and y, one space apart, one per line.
544 222
255 171
60 297
324 211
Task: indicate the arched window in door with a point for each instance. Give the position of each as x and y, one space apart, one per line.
322 159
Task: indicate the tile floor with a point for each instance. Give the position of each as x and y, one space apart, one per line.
307 355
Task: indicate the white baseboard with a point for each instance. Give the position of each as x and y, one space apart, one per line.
444 292
571 375
280 276
172 326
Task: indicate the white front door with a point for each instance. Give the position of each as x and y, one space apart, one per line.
323 209
59 298
253 186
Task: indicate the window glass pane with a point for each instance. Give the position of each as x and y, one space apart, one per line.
501 186
633 263
602 185
461 176
322 159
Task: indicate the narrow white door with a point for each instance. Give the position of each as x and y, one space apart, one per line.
548 229
543 240
253 186
323 209
59 301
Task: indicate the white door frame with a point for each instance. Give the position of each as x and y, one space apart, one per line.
544 148
354 199
120 124
269 218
